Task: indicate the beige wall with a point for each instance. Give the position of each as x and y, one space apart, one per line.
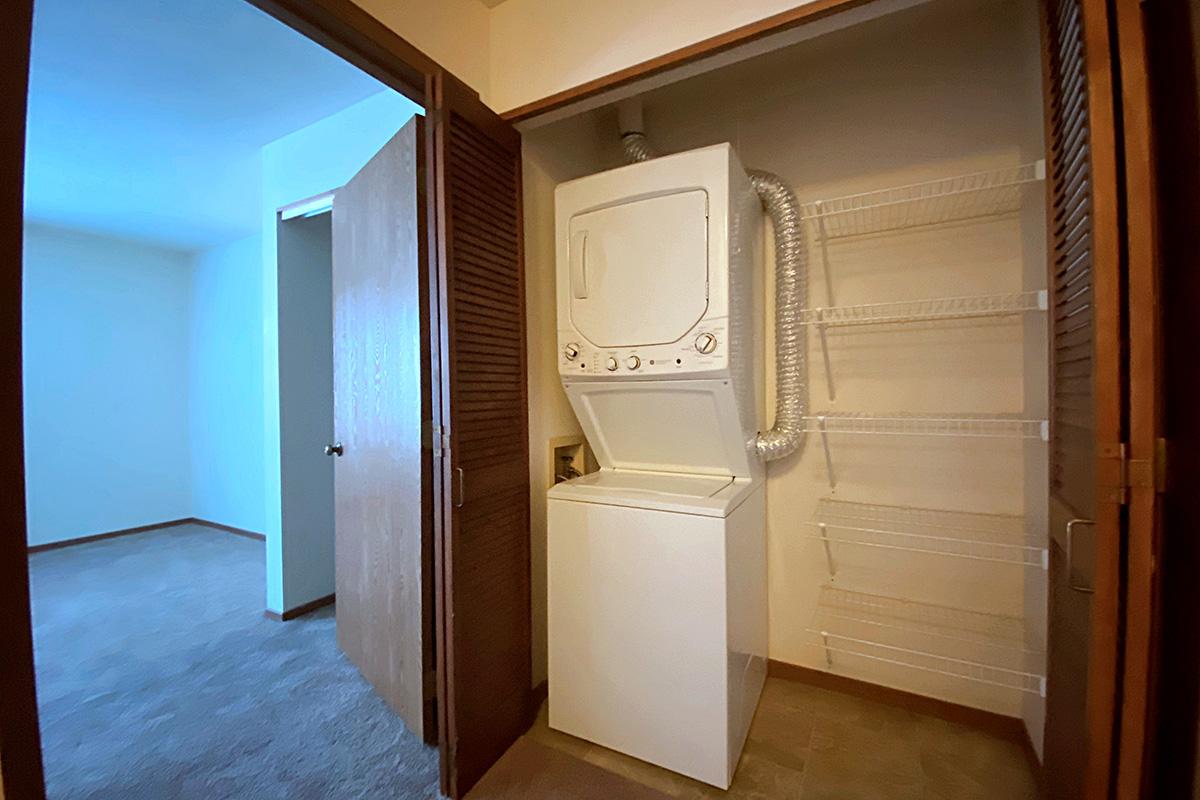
931 92
524 50
541 47
455 33
569 150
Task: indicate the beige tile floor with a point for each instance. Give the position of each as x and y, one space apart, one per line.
814 743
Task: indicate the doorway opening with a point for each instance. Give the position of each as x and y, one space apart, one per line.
184 382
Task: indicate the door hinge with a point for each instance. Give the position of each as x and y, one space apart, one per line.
1119 473
1112 466
435 438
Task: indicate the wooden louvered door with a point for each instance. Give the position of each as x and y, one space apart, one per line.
1086 409
484 622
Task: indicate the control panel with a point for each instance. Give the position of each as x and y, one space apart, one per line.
703 350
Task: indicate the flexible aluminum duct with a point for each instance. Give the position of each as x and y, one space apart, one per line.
636 147
791 293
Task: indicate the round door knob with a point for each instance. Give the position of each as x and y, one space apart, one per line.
571 351
706 343
611 364
334 449
633 362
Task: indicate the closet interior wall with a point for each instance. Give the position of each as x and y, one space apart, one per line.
945 89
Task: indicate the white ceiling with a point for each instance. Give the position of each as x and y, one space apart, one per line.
146 116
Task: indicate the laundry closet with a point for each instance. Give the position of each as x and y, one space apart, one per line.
907 540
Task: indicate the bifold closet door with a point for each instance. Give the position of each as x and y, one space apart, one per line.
1086 403
483 551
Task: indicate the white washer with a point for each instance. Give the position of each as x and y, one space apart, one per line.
657 564
657 616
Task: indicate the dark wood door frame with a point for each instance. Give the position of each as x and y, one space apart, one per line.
20 739
1172 33
1134 748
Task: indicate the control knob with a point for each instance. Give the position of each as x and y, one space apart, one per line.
706 343
611 364
571 351
633 362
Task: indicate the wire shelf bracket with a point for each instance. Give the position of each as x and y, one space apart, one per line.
953 642
913 311
929 662
984 426
996 538
931 310
954 199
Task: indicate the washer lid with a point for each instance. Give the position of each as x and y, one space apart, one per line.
707 495
638 271
688 427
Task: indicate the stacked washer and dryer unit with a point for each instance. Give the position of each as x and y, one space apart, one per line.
657 584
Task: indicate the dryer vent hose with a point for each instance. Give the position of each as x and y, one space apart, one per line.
791 293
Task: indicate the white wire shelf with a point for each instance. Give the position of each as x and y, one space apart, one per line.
953 642
963 197
943 308
992 426
999 538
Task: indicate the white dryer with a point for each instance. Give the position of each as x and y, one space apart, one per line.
657 565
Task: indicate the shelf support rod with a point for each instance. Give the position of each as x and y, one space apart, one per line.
828 654
821 328
823 243
828 552
828 455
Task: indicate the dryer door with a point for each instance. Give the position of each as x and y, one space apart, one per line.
639 271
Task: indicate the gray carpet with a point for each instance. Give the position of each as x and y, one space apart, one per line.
158 677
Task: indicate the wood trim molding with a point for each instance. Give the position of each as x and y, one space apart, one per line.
1005 727
753 31
261 537
96 537
1173 45
1135 746
301 610
21 775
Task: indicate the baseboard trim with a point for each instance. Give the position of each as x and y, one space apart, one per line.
300 611
261 537
96 537
999 724
172 523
